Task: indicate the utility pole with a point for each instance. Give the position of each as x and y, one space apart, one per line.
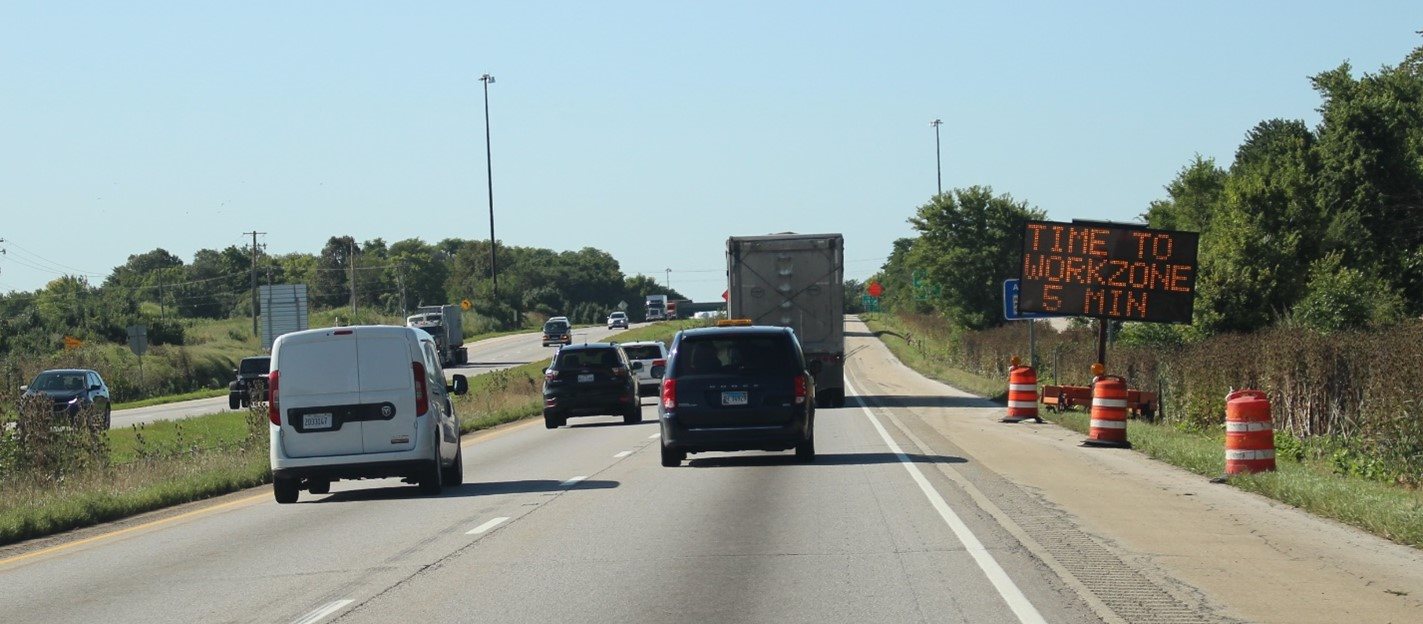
669 279
351 260
938 167
254 234
489 175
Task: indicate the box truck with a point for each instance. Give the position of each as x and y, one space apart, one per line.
795 281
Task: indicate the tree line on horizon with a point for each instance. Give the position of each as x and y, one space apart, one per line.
158 289
1318 227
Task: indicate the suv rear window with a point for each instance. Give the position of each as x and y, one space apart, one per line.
735 354
254 366
643 352
587 358
555 326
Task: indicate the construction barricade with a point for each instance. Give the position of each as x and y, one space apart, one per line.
1022 395
1109 413
1249 433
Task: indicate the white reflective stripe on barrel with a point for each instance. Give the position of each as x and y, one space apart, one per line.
1247 455
1096 402
1023 387
1244 427
1109 424
1023 404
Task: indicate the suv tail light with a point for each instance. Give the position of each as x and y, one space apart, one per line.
274 411
550 375
422 397
669 394
800 389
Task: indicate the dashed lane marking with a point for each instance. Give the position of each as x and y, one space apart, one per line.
486 526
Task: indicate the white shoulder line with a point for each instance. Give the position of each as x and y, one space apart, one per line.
1011 594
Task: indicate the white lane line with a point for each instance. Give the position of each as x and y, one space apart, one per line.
573 481
622 454
655 436
486 526
1017 602
321 612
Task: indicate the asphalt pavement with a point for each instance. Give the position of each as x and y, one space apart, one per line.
483 356
577 524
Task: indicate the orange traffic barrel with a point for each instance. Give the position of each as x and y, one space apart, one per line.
1249 434
1022 395
1109 413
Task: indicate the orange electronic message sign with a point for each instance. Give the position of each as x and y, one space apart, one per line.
1108 270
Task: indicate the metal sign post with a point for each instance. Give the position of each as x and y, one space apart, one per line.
138 344
1012 313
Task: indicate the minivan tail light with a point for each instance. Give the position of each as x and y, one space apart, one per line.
669 394
422 398
274 410
800 389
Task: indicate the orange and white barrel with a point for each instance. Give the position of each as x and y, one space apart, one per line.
1249 433
1022 394
1109 413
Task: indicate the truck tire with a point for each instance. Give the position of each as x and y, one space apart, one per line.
454 474
286 490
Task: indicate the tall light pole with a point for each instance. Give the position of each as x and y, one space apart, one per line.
489 175
938 167
669 278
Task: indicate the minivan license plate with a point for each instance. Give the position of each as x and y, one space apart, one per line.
316 421
733 397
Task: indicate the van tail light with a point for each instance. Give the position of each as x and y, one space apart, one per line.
274 411
659 362
422 398
800 389
669 394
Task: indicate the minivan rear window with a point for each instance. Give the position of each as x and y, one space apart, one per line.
733 354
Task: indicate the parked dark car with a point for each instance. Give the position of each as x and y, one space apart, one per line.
251 375
72 390
734 389
557 331
590 379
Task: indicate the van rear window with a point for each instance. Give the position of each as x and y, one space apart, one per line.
644 352
732 354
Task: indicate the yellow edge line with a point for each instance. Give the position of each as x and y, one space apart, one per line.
476 438
147 525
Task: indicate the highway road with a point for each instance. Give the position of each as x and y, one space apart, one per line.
921 507
484 356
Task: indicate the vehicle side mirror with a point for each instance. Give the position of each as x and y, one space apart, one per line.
24 388
815 367
659 371
459 385
637 365
234 372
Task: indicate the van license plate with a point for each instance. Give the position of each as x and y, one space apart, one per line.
316 421
733 397
585 378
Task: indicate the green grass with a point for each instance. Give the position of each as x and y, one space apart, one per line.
172 398
175 437
1389 511
661 331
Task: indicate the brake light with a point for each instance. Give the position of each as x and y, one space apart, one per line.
659 362
422 398
800 389
274 411
550 375
669 394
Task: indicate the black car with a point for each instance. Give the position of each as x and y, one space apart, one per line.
72 390
737 388
588 380
251 375
557 331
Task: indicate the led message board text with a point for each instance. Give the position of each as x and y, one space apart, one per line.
1111 271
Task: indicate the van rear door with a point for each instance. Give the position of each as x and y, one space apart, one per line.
387 377
320 384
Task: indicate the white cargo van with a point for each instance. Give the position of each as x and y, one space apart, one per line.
361 403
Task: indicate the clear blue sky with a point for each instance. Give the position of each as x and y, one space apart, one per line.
651 130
